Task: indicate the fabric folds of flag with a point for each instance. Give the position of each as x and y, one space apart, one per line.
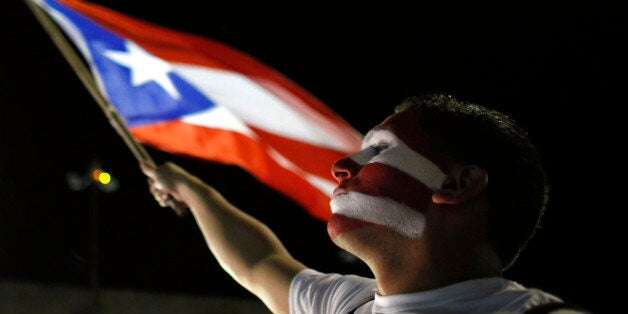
194 96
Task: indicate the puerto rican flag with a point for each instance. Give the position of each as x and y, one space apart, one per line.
189 95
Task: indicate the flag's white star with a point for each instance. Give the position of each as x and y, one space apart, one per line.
144 67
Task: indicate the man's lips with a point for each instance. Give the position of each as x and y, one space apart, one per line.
338 224
344 188
339 190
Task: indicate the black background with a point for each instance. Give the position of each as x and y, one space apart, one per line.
557 70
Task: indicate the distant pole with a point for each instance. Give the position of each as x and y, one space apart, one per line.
93 261
95 180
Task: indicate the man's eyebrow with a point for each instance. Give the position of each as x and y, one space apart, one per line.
371 133
367 137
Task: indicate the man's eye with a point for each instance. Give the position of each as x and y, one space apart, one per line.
378 148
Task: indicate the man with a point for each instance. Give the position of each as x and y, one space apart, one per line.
440 200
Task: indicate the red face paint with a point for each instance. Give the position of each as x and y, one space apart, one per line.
390 181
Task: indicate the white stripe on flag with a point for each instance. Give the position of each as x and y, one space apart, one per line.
219 118
255 105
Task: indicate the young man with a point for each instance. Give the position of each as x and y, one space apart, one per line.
440 200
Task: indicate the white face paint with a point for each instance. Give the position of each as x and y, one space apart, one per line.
393 152
381 211
387 183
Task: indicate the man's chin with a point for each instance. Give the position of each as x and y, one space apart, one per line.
339 224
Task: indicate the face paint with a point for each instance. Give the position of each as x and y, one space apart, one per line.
367 208
390 181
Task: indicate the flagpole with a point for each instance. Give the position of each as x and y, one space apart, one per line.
81 70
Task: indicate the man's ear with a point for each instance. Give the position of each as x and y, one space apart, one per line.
463 184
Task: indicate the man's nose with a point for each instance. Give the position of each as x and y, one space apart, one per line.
345 168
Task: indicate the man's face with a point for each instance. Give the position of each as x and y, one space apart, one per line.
390 181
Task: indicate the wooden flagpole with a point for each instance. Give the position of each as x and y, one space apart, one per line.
81 70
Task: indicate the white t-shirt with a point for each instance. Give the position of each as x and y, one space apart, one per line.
315 292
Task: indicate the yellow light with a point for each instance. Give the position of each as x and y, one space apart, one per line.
104 177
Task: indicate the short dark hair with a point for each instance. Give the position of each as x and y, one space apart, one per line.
518 189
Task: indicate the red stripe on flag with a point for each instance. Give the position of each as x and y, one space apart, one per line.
312 159
235 148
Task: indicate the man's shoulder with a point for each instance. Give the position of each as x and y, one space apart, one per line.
557 308
538 301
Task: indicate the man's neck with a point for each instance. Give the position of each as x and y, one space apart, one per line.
427 271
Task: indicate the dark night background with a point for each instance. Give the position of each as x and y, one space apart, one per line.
554 69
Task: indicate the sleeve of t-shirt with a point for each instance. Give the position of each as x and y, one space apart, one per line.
315 292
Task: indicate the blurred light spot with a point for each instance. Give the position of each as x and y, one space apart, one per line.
104 177
96 174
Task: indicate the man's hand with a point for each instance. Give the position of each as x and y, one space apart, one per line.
162 182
